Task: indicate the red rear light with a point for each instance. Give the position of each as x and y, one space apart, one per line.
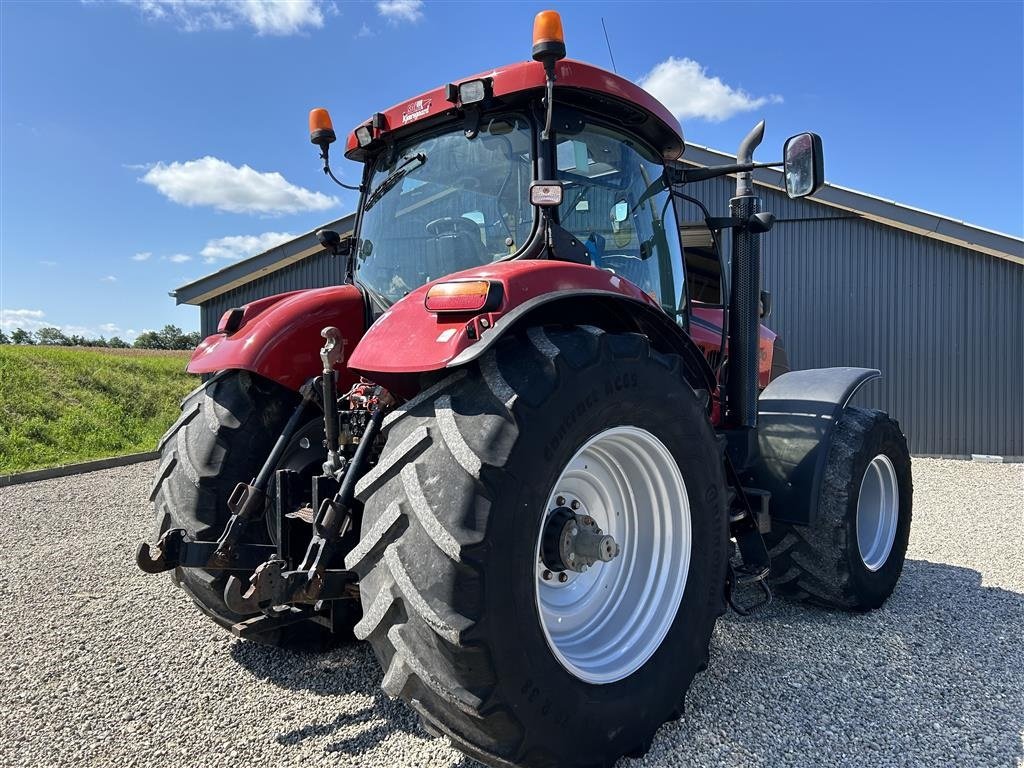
463 296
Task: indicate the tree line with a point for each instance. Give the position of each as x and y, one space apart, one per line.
170 337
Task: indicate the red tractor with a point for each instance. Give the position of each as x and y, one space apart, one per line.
498 451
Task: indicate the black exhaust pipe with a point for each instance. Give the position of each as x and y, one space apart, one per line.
744 294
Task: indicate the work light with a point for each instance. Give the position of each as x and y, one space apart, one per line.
364 135
472 91
546 193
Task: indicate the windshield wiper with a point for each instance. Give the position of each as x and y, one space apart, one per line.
409 163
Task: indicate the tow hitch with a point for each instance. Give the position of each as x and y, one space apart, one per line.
312 582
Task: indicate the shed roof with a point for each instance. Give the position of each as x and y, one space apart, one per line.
887 212
241 272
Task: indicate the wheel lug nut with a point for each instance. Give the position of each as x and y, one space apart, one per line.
546 575
575 504
560 501
563 577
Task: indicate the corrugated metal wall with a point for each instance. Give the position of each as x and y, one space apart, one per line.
943 323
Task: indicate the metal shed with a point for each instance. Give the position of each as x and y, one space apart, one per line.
936 304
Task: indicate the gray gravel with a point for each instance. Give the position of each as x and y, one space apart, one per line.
102 665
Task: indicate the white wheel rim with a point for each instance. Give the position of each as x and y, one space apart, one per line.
604 624
878 512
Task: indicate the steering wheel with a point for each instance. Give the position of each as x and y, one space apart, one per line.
452 225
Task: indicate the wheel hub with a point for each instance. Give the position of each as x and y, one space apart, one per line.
574 542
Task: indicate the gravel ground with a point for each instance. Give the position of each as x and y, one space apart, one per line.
102 665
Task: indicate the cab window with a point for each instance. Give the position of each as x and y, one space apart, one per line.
605 174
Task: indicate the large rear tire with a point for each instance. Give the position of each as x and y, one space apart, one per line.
852 557
451 581
226 430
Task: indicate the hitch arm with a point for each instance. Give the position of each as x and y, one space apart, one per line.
272 586
247 501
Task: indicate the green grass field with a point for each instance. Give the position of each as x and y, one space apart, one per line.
60 405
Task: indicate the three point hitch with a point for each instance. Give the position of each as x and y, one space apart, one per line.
280 594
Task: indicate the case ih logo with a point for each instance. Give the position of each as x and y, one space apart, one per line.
415 110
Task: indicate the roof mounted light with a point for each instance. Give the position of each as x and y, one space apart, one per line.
364 135
321 130
548 38
472 91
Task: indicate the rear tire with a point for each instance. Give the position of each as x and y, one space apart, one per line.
448 558
852 556
227 428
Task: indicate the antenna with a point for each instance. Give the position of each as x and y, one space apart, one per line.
609 44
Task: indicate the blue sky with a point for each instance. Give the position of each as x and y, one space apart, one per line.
145 144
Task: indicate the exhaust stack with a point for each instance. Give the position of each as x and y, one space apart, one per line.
744 294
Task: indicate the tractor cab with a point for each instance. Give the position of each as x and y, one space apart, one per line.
444 201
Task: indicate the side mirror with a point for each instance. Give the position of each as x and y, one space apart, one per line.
804 164
333 243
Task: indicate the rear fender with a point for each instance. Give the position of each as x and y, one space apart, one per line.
280 336
408 340
796 415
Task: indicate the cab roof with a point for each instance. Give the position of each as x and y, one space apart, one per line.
614 96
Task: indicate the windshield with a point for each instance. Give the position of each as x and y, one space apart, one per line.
443 203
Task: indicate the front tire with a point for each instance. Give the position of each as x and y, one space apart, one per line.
852 557
449 564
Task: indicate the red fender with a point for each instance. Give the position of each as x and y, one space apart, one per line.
279 337
409 339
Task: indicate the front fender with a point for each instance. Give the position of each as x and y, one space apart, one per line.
280 337
796 415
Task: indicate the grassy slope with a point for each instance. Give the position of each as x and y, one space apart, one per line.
63 405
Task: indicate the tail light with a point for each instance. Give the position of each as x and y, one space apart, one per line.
463 296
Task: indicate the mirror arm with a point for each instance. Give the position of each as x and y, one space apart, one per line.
688 175
325 150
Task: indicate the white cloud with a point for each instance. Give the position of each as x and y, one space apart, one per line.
110 328
397 11
684 86
265 17
214 182
242 246
178 258
108 279
27 319
142 256
364 31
